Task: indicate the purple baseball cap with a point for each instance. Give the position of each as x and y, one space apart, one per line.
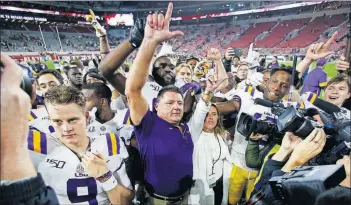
321 62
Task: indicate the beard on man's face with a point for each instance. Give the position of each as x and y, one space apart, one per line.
162 77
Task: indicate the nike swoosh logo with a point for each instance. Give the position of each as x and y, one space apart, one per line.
119 129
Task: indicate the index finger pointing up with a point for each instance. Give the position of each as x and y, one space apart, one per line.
168 14
331 39
91 13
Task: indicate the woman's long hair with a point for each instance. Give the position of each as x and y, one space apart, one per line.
219 129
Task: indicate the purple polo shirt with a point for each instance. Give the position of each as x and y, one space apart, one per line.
315 81
166 152
272 66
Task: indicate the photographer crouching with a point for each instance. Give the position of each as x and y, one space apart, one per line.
284 181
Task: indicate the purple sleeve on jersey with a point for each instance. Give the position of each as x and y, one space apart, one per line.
126 117
37 142
113 139
238 99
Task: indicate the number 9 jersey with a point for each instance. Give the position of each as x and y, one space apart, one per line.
61 168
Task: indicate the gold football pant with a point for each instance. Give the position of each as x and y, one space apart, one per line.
240 180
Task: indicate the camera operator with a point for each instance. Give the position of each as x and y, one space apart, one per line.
242 176
300 152
20 183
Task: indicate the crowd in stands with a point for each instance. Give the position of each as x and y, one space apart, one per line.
280 37
178 115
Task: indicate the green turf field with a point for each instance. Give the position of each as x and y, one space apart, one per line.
330 68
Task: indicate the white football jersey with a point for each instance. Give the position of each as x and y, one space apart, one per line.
39 120
241 86
246 97
308 99
120 124
150 92
118 104
61 168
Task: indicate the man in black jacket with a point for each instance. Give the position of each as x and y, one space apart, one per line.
20 183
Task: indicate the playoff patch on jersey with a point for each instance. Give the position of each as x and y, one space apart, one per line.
37 142
113 144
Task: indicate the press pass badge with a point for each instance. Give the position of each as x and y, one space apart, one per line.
211 181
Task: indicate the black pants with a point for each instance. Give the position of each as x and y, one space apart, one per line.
218 191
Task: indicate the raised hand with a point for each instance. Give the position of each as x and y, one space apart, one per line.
212 85
100 30
229 53
214 54
306 150
137 32
321 50
157 27
342 65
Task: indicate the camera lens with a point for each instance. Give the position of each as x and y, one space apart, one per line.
26 82
262 127
303 127
248 124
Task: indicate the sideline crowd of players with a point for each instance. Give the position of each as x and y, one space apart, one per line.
165 132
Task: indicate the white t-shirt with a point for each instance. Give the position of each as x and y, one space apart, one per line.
61 168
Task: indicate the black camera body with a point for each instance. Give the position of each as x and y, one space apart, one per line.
289 119
26 82
303 184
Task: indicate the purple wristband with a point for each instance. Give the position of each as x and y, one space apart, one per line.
103 178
